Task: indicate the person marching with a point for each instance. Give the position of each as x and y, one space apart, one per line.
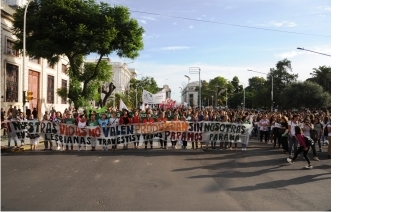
103 122
125 119
113 121
302 148
136 120
162 118
149 137
81 123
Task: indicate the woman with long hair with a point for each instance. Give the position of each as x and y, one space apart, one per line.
114 121
136 120
302 148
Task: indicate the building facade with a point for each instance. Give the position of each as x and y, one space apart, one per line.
38 77
190 94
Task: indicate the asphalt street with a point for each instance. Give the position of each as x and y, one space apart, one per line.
258 179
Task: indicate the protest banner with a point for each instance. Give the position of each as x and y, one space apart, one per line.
204 131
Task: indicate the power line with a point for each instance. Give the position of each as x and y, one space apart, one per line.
236 25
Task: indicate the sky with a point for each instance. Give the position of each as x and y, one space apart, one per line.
179 36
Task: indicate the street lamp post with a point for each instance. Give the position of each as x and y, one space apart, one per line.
181 94
313 51
188 90
271 87
24 85
199 84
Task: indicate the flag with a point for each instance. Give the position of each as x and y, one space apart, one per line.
122 105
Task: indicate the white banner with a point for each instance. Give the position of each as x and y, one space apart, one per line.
149 98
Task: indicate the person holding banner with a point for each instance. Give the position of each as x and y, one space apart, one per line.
103 122
33 138
125 119
82 124
136 119
69 120
46 117
92 122
21 135
184 142
149 137
162 118
194 118
113 121
173 139
11 135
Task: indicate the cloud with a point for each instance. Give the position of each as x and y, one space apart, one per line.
175 23
149 18
191 27
173 48
143 21
279 24
286 54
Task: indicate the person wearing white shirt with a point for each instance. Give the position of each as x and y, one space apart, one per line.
264 124
113 121
292 139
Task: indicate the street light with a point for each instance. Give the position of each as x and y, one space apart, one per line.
181 92
24 56
199 83
313 51
271 87
188 90
212 101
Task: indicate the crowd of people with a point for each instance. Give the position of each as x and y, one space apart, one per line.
281 129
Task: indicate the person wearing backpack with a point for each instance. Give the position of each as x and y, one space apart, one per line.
308 132
302 148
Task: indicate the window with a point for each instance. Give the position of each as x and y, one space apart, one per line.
12 77
63 85
35 60
191 99
10 50
64 68
50 90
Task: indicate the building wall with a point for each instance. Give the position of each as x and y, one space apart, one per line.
192 91
39 66
121 76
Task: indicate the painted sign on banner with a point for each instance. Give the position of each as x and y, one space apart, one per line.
149 98
204 131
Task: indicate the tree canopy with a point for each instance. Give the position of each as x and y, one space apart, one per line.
75 29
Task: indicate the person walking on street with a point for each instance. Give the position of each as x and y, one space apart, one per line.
302 148
264 124
292 139
307 127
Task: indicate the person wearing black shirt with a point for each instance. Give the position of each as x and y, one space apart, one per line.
27 112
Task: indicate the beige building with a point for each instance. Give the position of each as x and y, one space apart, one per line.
38 77
190 94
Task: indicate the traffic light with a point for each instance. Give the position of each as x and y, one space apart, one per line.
29 97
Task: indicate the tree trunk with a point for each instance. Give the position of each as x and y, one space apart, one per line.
107 93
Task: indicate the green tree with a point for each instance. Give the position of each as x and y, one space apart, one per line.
145 83
75 29
322 76
258 92
282 77
305 94
217 86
